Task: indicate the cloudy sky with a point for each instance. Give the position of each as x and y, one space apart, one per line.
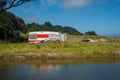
102 16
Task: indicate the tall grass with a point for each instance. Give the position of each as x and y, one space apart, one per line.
72 48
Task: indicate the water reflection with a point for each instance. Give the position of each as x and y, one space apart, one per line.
45 68
48 67
79 69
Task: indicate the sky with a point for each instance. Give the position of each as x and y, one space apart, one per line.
101 16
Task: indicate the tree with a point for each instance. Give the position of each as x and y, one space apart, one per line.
48 26
7 4
33 27
90 33
6 26
10 26
20 25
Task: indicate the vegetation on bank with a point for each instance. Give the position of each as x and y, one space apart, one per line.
73 48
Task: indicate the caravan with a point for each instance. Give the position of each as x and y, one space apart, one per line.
45 36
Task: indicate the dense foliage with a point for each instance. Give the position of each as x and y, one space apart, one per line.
7 25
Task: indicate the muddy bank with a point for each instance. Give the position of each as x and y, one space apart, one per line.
52 57
36 57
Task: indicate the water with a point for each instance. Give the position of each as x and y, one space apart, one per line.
82 69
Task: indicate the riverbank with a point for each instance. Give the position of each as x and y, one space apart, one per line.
73 48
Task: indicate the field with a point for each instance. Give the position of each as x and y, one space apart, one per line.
72 48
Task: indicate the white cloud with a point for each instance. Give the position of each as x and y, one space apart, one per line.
71 3
75 3
31 19
47 3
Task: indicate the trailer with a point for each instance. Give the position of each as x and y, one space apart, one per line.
46 36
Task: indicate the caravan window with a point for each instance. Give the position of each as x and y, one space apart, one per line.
32 36
54 35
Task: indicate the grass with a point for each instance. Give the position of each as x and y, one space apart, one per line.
73 48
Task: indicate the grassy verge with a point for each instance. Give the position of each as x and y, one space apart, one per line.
73 48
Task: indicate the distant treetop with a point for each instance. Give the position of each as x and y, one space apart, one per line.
90 33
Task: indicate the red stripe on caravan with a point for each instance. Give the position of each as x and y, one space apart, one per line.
32 41
42 36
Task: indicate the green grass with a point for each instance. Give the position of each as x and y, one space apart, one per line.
72 48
